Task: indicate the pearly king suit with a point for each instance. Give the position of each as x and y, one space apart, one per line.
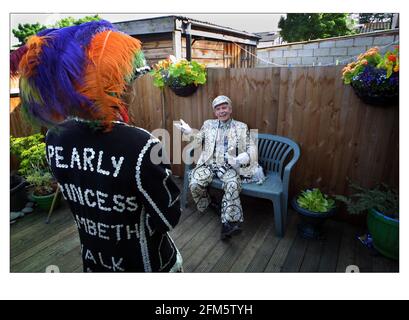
221 142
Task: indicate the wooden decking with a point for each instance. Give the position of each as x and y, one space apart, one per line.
36 245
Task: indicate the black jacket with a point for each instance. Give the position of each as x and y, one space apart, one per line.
123 204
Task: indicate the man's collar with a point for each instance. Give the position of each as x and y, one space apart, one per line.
225 124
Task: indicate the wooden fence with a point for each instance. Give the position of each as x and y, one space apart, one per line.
339 135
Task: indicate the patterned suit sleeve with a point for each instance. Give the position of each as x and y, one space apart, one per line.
160 194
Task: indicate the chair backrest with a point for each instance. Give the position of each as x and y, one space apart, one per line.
274 152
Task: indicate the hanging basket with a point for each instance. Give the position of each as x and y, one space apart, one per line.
184 91
373 88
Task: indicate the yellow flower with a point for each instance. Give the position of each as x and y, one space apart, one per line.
396 68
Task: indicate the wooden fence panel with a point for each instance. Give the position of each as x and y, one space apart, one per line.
339 135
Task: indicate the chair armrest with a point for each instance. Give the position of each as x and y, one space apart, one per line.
287 172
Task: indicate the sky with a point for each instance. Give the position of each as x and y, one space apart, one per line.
242 22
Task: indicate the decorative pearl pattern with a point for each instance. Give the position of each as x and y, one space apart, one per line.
144 245
90 204
139 183
151 231
58 158
168 174
101 201
121 204
88 159
117 165
161 263
75 157
99 170
111 207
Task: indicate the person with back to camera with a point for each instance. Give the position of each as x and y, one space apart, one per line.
230 154
73 80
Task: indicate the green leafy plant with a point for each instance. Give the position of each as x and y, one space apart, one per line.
382 198
42 181
24 31
179 73
31 151
70 21
314 200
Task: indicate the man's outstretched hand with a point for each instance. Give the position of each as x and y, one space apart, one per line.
184 127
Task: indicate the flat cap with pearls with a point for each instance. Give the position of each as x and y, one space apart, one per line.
220 100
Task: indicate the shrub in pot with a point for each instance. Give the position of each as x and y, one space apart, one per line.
34 168
43 186
18 184
382 207
314 207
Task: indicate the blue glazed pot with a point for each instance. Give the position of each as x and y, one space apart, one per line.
311 225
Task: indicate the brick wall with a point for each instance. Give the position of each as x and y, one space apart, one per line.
327 51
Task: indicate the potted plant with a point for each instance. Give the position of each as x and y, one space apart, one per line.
314 207
34 168
182 76
382 205
375 77
18 184
44 187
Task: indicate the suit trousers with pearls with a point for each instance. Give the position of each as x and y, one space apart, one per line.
202 176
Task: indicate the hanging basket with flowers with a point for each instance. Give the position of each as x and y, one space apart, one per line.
182 76
375 77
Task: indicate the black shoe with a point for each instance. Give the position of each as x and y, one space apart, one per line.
229 229
215 207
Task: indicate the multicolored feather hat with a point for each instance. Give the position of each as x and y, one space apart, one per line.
80 71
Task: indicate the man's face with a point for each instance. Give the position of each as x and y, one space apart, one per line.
223 112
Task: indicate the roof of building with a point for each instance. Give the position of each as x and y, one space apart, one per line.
268 35
166 27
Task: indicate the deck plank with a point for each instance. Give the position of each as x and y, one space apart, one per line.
34 245
346 254
249 252
312 256
295 256
25 239
263 254
329 254
196 243
280 253
50 255
237 244
193 229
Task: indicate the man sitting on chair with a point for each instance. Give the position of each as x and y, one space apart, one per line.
229 154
